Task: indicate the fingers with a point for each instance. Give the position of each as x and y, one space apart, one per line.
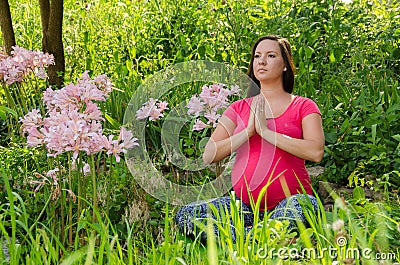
252 116
259 113
264 108
259 121
251 122
254 104
260 109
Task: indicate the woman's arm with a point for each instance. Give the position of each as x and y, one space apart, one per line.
311 147
222 141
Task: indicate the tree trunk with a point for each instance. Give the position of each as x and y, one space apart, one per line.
44 15
6 26
52 18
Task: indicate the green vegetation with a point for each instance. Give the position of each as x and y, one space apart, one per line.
348 61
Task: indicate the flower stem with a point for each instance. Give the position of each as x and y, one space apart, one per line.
70 201
92 169
41 213
108 186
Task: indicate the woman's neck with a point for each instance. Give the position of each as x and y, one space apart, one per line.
272 91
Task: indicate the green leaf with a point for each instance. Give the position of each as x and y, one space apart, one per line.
4 110
189 142
373 128
2 114
201 50
115 124
338 54
129 65
330 137
309 51
189 151
182 261
183 41
332 58
358 193
345 126
396 54
396 137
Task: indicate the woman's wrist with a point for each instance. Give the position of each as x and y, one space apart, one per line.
268 135
245 134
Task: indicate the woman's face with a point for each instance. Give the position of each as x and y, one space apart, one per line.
268 64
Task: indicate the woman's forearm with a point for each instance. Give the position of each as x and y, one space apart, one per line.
312 150
218 150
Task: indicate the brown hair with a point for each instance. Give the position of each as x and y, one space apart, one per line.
287 76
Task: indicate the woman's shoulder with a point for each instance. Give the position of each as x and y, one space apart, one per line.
305 104
242 103
303 100
238 107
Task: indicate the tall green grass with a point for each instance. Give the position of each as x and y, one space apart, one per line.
318 244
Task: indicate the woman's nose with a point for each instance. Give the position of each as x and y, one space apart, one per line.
262 61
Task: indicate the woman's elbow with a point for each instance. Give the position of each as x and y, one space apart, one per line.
209 152
317 156
207 159
209 155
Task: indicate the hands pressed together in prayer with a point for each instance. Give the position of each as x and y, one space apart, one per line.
260 112
309 147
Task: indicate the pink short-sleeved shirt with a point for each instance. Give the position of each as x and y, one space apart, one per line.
260 166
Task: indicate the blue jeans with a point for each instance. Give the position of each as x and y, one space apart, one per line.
290 209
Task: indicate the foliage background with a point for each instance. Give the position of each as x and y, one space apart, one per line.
347 57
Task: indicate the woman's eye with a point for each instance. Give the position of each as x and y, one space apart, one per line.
271 55
257 56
